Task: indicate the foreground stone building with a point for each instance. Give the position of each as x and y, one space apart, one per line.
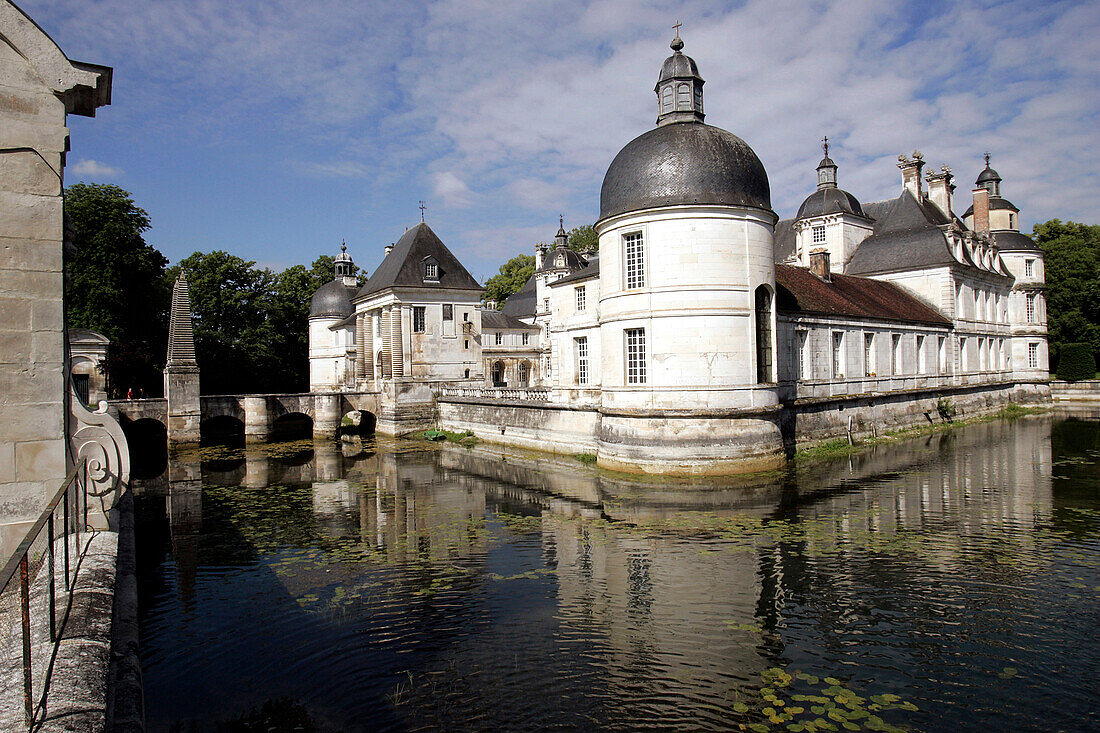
710 336
39 88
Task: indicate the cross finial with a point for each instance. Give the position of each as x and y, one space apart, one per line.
561 221
677 26
343 246
422 207
987 160
825 145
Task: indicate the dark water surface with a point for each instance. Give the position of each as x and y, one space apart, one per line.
948 583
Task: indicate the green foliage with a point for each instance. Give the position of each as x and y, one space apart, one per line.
584 239
1076 362
946 408
512 276
1071 255
118 286
588 459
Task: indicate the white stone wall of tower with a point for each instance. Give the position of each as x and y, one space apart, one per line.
328 354
702 267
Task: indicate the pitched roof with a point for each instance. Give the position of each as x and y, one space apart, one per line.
402 266
499 320
800 291
585 273
521 304
785 240
907 235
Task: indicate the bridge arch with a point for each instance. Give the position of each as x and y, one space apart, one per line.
223 429
147 440
291 426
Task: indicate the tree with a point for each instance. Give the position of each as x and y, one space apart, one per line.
1071 254
236 342
513 274
118 286
584 239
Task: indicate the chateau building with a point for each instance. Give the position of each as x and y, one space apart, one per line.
708 335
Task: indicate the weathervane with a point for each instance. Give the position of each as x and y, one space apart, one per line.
561 221
343 246
825 145
987 159
422 207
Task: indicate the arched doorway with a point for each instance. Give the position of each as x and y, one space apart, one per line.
765 363
497 374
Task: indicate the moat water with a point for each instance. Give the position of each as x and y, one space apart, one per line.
946 583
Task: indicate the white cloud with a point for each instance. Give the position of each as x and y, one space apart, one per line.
451 189
87 169
329 169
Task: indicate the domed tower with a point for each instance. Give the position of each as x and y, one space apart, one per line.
1001 214
687 294
830 220
332 328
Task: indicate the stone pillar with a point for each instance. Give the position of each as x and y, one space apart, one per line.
387 358
257 420
361 356
367 344
326 415
397 355
181 373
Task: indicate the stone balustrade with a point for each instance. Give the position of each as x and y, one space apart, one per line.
497 393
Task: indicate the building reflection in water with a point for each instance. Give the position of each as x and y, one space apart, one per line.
674 600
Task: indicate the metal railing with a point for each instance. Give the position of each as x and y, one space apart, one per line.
62 528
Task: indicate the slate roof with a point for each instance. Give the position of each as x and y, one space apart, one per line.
785 240
829 201
332 299
586 273
995 204
402 267
86 336
499 320
1012 241
906 236
521 304
573 260
800 291
684 163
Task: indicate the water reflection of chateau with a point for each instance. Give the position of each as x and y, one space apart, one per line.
656 603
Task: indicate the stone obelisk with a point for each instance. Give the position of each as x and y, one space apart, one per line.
181 373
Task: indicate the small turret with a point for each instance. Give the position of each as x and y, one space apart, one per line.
344 266
679 88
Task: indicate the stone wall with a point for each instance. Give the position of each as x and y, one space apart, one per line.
1086 390
539 426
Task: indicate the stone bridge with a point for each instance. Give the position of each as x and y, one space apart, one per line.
258 413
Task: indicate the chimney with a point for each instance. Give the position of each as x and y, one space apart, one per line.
819 264
981 210
540 254
910 173
389 248
940 189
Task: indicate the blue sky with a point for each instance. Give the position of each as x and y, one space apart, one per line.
274 129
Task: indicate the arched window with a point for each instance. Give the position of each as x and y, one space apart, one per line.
523 374
666 99
497 373
683 97
764 372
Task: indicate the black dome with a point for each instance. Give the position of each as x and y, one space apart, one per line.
829 201
684 163
988 175
676 66
1013 241
332 299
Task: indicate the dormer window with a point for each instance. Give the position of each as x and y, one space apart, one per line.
819 235
431 269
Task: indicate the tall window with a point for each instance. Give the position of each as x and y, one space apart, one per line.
431 271
981 354
1029 268
634 257
580 349
419 317
869 354
683 96
838 354
580 299
819 235
523 376
764 335
941 354
666 99
526 338
1031 309
635 355
804 367
1033 356
499 338
448 312
546 367
497 373
964 357
895 351
922 358
546 305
